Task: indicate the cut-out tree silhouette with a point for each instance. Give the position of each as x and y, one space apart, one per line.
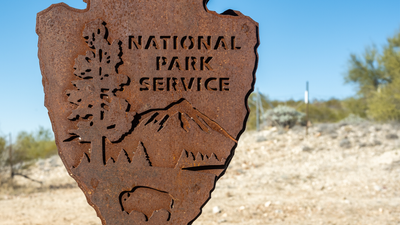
101 114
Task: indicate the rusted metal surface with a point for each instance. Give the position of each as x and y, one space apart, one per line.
147 100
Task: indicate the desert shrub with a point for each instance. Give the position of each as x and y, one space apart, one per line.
328 111
353 119
320 111
283 116
26 148
384 105
356 106
376 75
35 145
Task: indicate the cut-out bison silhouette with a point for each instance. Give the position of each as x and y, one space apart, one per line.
145 200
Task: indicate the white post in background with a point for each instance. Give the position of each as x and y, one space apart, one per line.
306 100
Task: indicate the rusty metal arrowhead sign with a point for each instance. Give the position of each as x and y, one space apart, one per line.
147 100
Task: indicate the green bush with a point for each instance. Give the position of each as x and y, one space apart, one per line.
283 116
376 75
323 112
385 104
356 106
27 148
35 145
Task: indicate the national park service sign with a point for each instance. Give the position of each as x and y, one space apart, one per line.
147 99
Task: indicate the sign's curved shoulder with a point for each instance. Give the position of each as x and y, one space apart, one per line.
147 100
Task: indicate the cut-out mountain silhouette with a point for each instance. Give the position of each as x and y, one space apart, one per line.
185 113
167 132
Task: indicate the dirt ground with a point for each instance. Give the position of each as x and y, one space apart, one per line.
340 174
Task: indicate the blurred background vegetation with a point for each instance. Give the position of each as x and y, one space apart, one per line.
18 155
375 74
